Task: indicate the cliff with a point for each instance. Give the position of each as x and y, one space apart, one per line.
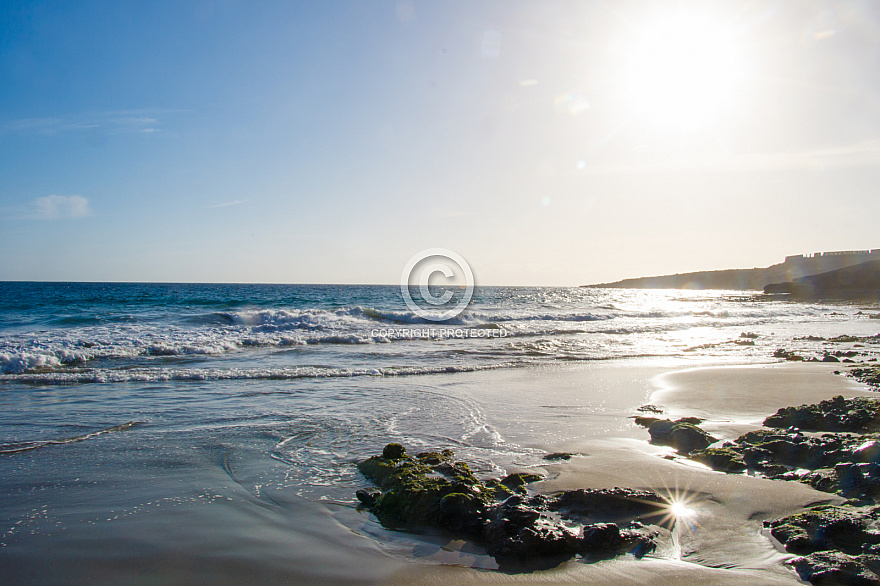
794 268
858 281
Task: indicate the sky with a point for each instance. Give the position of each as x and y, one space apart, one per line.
547 143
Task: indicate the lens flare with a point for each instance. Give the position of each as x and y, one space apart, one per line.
679 510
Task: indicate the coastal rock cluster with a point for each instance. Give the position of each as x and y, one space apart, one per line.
834 446
434 490
857 352
839 544
869 375
793 448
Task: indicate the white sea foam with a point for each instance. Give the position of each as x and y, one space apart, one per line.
582 324
219 374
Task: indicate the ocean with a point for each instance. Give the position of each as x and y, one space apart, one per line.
208 432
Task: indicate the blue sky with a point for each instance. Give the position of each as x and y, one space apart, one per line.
547 142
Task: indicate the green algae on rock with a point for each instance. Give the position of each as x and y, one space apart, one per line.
839 543
433 490
846 528
723 459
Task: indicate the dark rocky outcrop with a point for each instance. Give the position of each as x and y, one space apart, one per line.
723 459
869 375
859 414
833 568
831 462
841 543
681 434
838 544
432 489
845 528
558 456
861 280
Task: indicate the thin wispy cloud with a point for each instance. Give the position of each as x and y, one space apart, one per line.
115 122
59 207
229 203
864 154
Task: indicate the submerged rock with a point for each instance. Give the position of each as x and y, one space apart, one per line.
432 489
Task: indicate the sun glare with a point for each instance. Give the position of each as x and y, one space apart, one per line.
682 73
679 509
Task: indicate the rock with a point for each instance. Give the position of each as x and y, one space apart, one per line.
824 479
843 528
393 452
829 358
601 537
498 490
833 567
368 497
867 452
434 490
723 459
830 462
462 513
413 487
558 456
607 503
684 436
541 540
786 354
650 409
868 375
518 480
837 414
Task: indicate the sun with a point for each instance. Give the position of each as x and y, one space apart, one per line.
683 73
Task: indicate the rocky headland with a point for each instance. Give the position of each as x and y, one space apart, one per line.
858 281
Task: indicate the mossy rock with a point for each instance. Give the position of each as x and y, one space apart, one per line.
723 459
518 480
413 487
393 452
433 490
498 490
843 528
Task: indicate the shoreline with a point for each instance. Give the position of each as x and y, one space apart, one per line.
724 540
